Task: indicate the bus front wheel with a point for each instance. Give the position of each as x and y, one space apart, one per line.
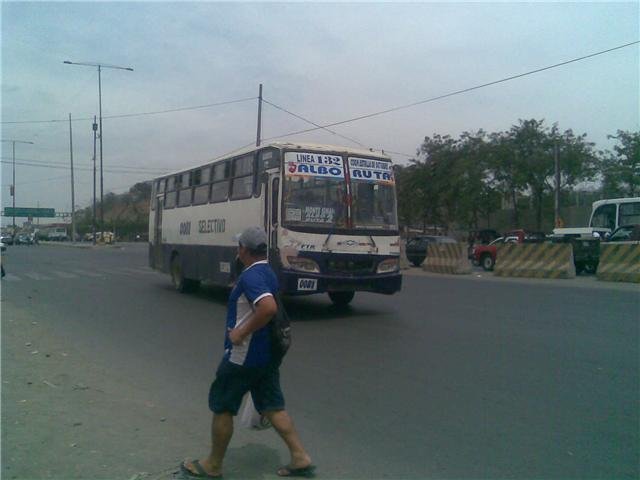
341 299
181 284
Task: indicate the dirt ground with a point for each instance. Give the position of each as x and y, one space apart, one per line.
65 417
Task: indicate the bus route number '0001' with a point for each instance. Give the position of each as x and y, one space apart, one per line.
185 228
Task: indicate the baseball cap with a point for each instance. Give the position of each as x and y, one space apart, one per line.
253 238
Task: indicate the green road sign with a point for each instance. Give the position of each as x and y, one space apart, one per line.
29 212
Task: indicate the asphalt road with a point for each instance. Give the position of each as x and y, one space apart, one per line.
454 377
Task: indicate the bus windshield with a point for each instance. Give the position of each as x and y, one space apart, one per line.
314 201
314 192
374 205
373 194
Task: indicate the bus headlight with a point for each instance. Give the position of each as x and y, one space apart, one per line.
303 264
388 266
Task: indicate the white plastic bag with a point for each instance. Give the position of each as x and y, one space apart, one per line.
250 418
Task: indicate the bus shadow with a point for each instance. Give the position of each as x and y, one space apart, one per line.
300 309
308 309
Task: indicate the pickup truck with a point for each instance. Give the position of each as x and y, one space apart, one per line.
485 255
586 245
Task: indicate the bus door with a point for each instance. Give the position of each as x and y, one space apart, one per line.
271 199
157 233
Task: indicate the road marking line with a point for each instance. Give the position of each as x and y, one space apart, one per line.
64 274
37 276
88 274
9 277
113 272
139 270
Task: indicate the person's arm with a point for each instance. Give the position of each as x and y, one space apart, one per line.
264 311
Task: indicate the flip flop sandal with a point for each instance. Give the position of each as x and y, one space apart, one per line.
201 472
287 471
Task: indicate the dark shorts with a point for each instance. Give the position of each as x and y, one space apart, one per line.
233 381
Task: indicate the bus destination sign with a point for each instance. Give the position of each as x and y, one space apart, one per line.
313 165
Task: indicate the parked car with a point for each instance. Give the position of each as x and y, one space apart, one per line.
6 239
417 247
485 255
626 233
24 239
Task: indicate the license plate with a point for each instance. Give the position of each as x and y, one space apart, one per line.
307 284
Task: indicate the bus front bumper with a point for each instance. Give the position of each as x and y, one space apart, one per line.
299 283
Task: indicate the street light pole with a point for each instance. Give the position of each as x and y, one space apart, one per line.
13 185
100 67
93 229
101 176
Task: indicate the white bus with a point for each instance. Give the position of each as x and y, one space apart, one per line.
615 212
329 212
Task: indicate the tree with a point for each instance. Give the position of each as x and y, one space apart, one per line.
535 146
506 170
621 168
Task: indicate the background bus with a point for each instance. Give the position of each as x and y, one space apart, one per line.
330 214
614 212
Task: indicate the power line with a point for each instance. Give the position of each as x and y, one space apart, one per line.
457 92
85 169
54 179
335 133
314 124
89 163
128 115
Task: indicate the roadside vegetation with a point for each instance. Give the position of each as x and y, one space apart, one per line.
465 183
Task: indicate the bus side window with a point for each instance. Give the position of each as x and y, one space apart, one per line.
201 191
172 194
605 217
220 185
170 199
268 158
629 213
243 177
185 191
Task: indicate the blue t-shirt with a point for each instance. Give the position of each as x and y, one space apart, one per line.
256 282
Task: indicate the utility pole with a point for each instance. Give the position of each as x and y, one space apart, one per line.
259 116
13 190
101 177
558 220
93 227
73 197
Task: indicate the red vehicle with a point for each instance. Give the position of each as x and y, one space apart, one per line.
485 255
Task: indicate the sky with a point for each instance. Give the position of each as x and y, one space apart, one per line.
326 62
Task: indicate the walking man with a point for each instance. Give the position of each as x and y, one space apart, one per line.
247 365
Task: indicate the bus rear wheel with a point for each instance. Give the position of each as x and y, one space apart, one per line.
181 284
341 299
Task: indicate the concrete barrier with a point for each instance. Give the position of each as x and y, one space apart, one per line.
447 258
619 262
535 260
